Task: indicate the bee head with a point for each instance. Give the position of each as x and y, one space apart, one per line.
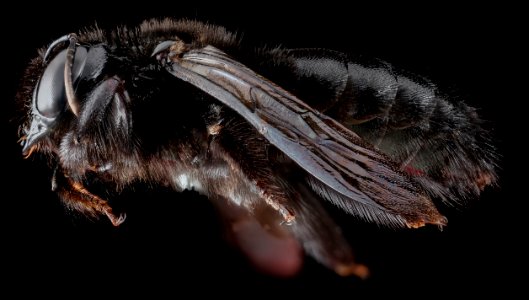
67 68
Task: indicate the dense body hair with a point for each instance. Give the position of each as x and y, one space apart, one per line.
264 133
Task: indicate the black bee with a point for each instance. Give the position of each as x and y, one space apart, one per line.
266 134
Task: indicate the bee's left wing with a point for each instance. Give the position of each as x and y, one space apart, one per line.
343 168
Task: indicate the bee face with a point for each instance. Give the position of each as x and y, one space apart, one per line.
54 96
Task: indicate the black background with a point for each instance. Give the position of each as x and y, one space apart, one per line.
172 243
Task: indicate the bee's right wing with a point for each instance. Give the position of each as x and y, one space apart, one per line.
342 168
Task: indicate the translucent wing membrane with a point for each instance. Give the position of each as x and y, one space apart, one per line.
347 168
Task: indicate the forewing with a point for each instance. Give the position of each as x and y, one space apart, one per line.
335 156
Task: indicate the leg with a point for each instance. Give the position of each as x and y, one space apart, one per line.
76 196
247 155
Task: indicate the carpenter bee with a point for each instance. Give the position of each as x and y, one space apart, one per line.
267 134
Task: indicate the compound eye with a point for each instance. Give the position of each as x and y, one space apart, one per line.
50 95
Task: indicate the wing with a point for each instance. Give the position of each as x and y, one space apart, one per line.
342 168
